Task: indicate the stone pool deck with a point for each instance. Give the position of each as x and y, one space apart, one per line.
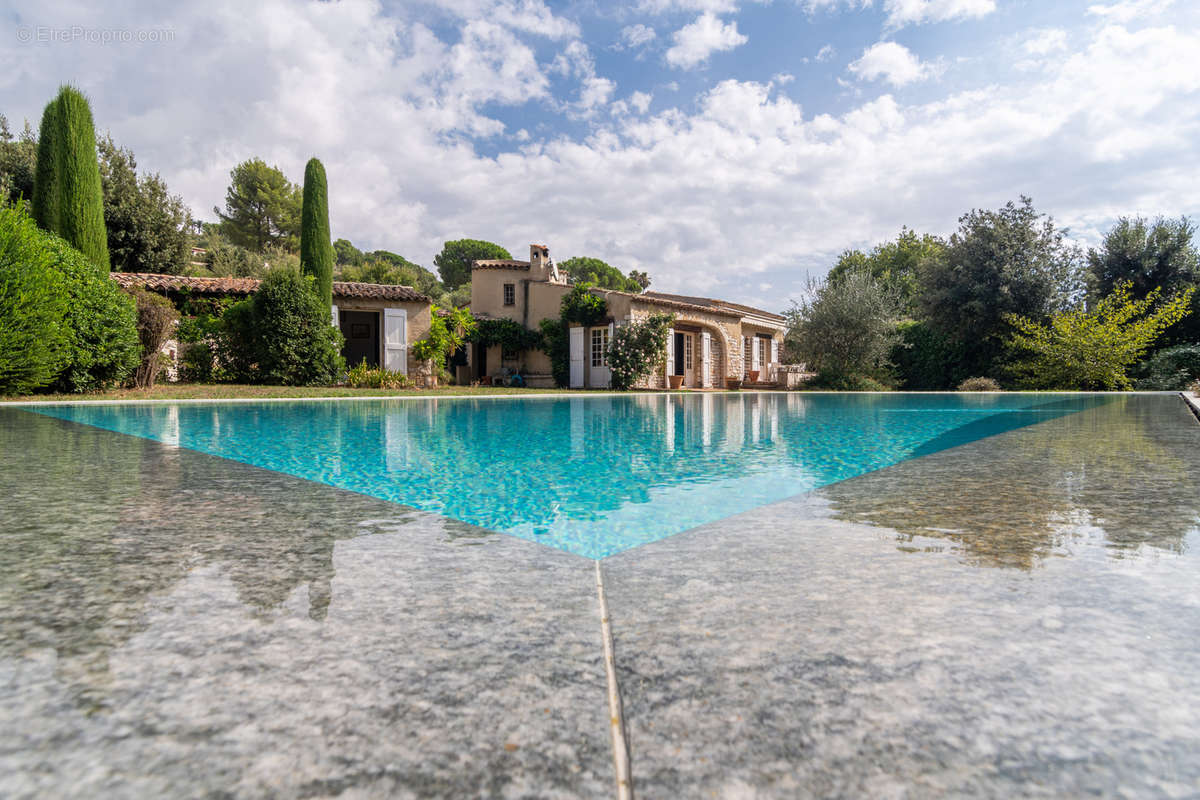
1015 617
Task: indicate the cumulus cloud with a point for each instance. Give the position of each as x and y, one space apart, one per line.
826 53
1126 11
725 193
911 12
637 35
698 40
1045 42
891 62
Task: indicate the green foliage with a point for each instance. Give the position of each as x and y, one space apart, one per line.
1150 256
999 264
1092 349
316 251
225 260
18 164
381 266
101 320
638 348
281 335
926 358
642 279
346 254
582 307
262 207
454 262
148 228
156 318
33 305
44 202
512 337
449 329
582 269
847 328
894 265
365 377
1169 370
556 345
68 196
846 382
979 385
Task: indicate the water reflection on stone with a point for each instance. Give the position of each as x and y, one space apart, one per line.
1124 476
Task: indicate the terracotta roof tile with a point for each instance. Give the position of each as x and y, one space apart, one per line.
244 286
713 303
499 263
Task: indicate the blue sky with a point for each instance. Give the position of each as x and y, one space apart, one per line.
728 147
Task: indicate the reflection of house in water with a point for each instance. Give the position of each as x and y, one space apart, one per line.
712 340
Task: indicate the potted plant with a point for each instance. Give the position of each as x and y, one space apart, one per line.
752 376
675 381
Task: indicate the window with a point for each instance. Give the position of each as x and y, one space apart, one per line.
762 352
599 346
687 351
510 294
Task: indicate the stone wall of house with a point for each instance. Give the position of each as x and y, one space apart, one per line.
726 335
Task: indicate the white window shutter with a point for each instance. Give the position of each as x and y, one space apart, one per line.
333 312
754 352
395 340
576 353
705 359
774 351
671 352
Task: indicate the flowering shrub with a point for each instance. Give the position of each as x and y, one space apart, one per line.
637 348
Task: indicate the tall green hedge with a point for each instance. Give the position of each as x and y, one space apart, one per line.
281 335
62 325
101 320
316 249
68 198
33 306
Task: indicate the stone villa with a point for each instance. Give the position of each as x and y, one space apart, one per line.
712 340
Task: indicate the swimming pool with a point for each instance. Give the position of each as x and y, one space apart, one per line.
591 475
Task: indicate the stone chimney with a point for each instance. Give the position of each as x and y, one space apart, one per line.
541 266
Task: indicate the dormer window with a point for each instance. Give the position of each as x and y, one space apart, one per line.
510 294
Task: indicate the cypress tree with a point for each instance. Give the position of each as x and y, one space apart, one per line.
316 248
45 177
67 195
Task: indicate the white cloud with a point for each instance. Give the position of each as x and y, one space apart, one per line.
917 12
698 40
1126 11
892 62
1044 42
910 12
594 91
826 53
684 192
640 101
664 6
637 35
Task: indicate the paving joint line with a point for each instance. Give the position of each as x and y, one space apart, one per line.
616 721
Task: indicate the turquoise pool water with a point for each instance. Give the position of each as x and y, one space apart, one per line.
590 475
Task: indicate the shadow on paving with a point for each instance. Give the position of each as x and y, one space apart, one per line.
174 624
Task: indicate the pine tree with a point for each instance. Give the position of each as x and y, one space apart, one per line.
316 249
68 198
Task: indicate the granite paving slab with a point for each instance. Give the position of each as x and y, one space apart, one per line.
176 625
1016 617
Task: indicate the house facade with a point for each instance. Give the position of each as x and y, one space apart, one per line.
712 341
380 322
